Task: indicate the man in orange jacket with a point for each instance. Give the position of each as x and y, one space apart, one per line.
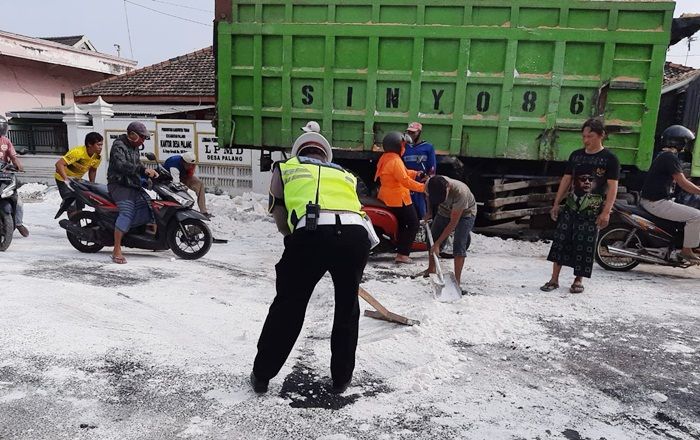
397 182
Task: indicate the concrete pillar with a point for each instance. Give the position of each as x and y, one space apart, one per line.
74 117
100 110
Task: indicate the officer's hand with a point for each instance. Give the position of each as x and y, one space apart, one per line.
151 173
554 213
603 220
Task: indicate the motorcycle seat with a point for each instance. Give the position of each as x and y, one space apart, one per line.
98 188
665 224
371 201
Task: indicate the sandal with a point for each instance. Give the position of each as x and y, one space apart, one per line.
407 260
118 260
549 286
576 288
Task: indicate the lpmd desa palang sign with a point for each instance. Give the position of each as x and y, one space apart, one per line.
210 152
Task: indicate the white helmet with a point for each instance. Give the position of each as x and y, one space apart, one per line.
315 140
188 157
311 126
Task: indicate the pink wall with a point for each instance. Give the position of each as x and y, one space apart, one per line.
26 84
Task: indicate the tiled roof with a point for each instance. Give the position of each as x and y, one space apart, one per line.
68 41
675 73
190 75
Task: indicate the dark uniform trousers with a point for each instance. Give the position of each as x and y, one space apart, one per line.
340 250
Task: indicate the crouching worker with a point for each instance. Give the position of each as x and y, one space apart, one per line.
316 208
182 170
74 164
456 212
124 184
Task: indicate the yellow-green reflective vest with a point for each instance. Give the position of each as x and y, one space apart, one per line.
336 190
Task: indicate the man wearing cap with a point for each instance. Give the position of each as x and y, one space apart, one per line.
316 208
311 127
182 168
124 184
419 156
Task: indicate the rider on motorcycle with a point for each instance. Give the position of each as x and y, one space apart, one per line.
124 183
9 155
657 190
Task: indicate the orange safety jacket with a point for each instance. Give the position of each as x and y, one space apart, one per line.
396 181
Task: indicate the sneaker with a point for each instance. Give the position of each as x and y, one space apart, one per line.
23 230
339 388
208 215
259 386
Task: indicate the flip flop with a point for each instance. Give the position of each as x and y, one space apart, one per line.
690 259
118 260
576 288
409 261
549 286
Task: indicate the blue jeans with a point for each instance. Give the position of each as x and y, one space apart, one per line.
462 236
418 200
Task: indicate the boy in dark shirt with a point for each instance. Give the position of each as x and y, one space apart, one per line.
658 187
590 180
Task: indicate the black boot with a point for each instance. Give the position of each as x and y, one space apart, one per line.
340 387
259 386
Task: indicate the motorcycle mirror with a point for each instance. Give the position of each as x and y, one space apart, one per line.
150 156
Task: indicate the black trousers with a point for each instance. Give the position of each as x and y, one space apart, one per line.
66 192
340 250
408 227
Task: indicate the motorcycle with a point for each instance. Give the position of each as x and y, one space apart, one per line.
636 236
179 227
387 227
8 203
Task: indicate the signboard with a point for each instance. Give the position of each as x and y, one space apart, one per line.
147 147
210 152
174 139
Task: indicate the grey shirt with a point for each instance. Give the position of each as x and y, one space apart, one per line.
459 197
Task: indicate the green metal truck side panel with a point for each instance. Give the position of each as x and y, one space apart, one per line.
487 78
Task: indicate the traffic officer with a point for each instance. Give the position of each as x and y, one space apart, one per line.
316 208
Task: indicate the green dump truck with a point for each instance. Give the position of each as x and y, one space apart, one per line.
501 87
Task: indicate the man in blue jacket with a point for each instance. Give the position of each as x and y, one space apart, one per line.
181 168
419 156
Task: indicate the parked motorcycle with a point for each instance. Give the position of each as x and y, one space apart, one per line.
179 227
635 236
387 227
8 204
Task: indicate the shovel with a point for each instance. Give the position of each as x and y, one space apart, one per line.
446 286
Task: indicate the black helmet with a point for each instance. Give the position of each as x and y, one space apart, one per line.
677 136
3 125
393 141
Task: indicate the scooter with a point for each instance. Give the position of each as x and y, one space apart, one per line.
387 227
179 227
636 236
8 204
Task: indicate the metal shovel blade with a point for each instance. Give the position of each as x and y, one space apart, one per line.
446 288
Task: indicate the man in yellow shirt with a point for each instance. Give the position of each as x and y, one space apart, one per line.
74 164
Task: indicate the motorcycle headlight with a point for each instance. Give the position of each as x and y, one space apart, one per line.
8 190
187 203
184 201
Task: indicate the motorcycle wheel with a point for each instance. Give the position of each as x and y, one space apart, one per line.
609 236
86 219
7 228
193 244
